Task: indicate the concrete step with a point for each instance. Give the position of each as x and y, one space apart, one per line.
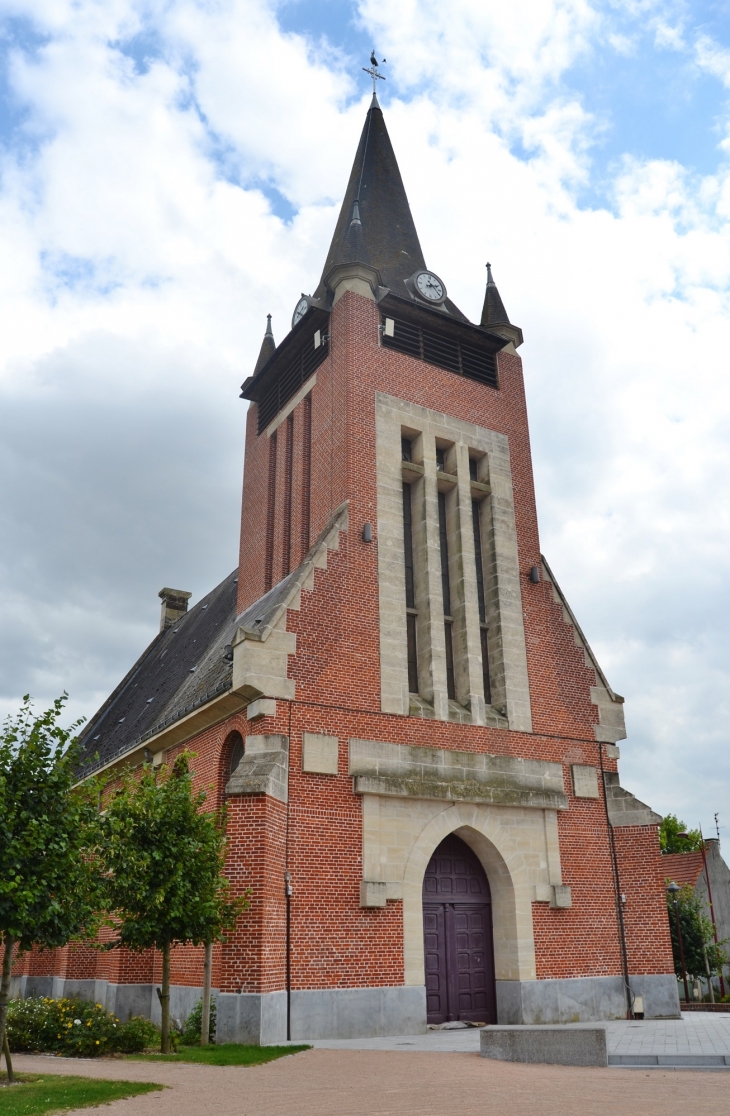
669 1060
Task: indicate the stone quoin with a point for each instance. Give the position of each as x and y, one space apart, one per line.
391 692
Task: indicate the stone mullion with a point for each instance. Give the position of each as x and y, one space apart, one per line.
462 562
427 576
502 590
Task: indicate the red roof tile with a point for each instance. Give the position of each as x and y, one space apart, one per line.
683 868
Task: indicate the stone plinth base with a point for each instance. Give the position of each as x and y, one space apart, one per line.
584 999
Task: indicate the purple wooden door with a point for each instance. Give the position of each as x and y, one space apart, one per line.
457 936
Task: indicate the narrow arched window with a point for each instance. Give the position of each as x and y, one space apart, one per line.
234 745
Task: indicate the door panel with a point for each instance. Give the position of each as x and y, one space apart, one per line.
434 941
457 928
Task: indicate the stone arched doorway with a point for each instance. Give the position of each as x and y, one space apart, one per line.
457 936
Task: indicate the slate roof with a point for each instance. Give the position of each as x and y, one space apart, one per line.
389 234
181 669
683 868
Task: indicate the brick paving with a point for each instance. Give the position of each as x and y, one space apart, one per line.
384 1083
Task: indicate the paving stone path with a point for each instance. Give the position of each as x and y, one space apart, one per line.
697 1039
388 1083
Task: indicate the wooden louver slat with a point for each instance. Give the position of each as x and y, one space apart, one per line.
290 380
445 352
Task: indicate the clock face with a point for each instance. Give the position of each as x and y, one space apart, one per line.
429 286
300 310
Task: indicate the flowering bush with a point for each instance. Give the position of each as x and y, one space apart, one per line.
75 1028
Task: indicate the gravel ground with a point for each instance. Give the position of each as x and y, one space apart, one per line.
384 1083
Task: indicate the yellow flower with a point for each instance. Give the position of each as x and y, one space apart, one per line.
97 1042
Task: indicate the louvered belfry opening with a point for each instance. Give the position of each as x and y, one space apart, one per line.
451 353
288 381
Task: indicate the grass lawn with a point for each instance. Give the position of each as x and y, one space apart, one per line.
227 1054
39 1092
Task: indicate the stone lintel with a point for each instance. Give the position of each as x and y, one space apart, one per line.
411 771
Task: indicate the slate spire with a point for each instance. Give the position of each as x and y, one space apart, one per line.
494 315
386 228
268 346
493 311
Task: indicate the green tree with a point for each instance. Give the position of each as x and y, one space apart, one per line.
165 858
671 842
50 876
698 940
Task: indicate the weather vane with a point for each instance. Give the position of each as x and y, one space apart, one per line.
373 70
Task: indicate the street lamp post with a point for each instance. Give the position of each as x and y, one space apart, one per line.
673 891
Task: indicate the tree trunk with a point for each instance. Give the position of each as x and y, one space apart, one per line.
4 997
207 980
8 1059
165 998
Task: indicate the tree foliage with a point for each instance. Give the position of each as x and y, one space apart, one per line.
670 842
698 938
165 857
50 874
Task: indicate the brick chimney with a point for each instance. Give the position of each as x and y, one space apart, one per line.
174 606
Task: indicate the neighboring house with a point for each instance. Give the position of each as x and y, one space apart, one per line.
688 868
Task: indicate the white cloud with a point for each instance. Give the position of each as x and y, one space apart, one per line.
140 254
713 58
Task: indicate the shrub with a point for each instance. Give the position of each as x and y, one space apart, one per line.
137 1035
194 1023
72 1027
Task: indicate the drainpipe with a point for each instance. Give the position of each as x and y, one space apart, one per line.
287 893
287 896
617 891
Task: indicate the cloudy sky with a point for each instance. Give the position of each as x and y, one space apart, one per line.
171 171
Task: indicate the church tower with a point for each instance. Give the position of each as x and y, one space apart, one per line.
414 740
458 840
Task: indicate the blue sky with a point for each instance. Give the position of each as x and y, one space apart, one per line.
170 172
649 98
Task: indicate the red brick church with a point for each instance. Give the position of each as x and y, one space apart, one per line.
415 742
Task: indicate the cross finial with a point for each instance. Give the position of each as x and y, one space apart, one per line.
373 70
